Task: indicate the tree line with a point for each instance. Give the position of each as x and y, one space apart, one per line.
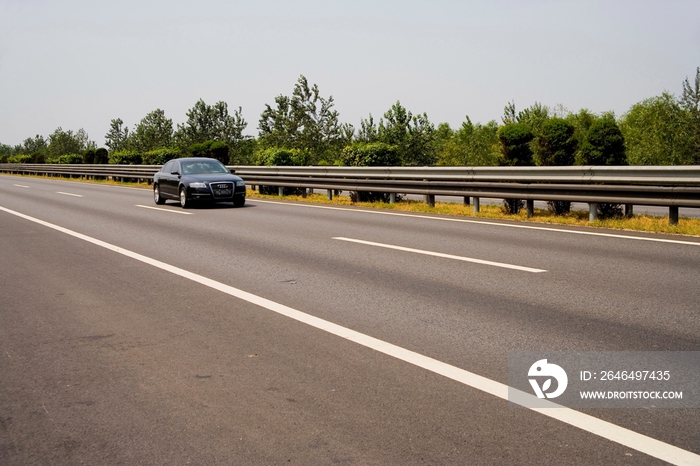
304 129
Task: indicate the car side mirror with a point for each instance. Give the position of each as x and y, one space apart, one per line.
175 172
233 170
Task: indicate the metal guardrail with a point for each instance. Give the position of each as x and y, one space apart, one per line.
670 186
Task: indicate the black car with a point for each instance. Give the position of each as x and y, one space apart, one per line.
195 179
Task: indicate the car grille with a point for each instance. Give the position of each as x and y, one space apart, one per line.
222 190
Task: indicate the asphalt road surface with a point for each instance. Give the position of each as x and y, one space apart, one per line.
280 333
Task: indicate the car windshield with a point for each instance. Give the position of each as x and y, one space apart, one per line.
198 168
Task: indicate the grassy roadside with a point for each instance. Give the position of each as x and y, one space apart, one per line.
647 223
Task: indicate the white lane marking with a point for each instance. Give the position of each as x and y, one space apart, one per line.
20 185
69 194
642 443
481 222
439 254
163 210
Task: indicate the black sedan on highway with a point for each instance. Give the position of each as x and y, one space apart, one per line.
197 179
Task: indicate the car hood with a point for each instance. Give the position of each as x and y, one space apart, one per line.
211 177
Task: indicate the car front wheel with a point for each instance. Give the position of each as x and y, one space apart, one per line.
156 195
184 202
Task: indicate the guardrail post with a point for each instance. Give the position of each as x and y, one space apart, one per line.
303 192
280 191
466 200
592 211
329 193
311 191
430 199
392 198
476 205
530 207
629 210
673 215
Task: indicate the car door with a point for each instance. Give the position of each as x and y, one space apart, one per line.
168 181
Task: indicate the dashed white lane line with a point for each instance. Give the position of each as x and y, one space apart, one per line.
481 222
440 254
642 443
69 194
163 210
20 186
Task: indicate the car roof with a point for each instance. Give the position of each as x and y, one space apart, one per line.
197 159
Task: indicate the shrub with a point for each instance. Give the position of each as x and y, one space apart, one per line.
515 151
559 207
515 145
278 156
66 158
214 149
219 151
607 210
557 146
89 156
604 145
513 206
101 156
22 158
376 154
160 156
125 158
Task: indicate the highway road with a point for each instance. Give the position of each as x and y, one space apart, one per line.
282 333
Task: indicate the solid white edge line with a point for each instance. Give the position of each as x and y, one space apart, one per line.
642 443
69 194
163 210
440 254
481 222
149 187
20 186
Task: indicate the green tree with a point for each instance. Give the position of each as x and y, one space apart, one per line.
413 135
658 131
557 144
34 145
304 121
118 136
211 123
368 130
154 131
515 144
472 145
604 144
67 142
690 102
6 151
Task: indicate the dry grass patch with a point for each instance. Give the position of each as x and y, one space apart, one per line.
649 223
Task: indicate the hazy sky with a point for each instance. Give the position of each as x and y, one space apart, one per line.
79 64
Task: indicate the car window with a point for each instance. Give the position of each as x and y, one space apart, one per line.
168 167
202 167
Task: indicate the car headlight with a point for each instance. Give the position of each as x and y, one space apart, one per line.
240 183
198 184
